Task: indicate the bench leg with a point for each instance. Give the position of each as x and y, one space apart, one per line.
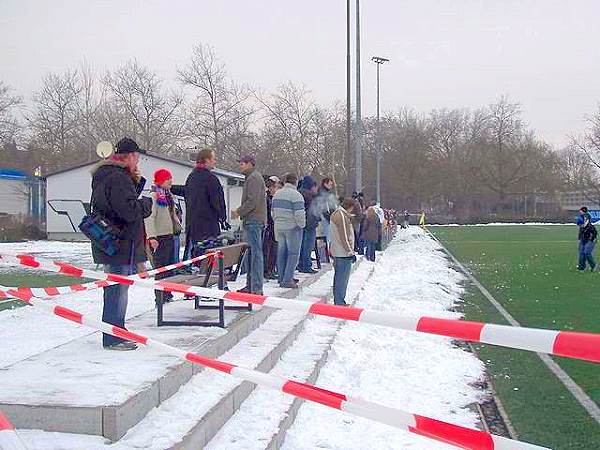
221 313
159 309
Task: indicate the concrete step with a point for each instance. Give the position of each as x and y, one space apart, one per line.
80 388
216 397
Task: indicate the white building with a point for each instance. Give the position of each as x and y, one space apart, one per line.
68 192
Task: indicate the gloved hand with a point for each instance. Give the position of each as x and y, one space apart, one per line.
353 258
225 225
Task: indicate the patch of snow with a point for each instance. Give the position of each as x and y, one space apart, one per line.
418 373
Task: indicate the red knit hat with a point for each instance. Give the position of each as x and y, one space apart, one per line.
162 175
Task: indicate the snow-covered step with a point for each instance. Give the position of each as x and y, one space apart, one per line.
204 404
263 419
80 388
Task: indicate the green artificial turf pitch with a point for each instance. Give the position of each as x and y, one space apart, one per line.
531 271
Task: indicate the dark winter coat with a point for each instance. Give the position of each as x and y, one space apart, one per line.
370 229
204 204
588 233
115 195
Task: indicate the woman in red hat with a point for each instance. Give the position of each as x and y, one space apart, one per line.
162 226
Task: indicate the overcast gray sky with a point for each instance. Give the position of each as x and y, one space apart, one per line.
444 53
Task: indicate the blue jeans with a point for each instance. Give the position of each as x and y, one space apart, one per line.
253 231
586 255
341 276
115 302
309 238
288 253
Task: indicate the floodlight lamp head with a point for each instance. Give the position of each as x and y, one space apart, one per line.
379 60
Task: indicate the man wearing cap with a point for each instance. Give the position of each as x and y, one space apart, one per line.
253 212
116 186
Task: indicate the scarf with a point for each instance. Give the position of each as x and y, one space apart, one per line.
163 196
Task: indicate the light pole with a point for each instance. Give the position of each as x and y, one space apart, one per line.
358 131
348 93
379 61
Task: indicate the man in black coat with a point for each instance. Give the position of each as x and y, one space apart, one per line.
116 186
204 201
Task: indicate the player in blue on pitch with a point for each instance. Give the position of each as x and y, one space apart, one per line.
587 240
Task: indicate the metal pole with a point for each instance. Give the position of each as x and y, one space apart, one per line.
358 131
378 139
348 93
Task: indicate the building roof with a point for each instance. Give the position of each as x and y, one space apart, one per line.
224 173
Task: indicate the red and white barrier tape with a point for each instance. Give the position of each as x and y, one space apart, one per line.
569 344
456 435
9 440
53 291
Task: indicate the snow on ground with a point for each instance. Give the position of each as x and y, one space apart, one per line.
20 331
78 253
418 373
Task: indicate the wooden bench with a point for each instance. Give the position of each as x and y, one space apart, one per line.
227 269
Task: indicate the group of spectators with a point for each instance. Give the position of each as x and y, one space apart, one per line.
279 217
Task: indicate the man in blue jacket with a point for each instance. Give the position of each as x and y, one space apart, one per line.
587 240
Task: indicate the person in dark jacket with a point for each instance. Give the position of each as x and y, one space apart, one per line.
369 232
116 186
587 240
269 243
204 201
308 188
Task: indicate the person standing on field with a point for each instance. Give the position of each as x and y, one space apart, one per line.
253 212
290 219
116 186
162 226
587 240
342 248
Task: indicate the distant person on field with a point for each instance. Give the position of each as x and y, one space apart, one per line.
342 248
587 240
290 219
253 213
116 186
162 226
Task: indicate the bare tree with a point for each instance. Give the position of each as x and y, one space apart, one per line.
53 123
289 130
9 125
152 114
220 112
